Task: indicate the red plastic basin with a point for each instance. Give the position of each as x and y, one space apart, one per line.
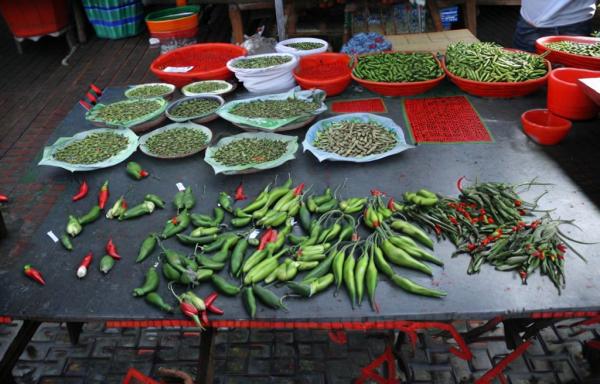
565 97
565 58
400 89
543 127
327 71
499 89
208 62
35 17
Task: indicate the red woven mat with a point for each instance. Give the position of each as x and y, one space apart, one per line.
445 120
374 105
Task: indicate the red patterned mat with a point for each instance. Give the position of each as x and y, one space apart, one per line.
374 105
445 120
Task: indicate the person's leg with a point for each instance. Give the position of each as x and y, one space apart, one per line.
526 35
578 29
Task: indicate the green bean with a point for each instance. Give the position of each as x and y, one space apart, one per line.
397 67
274 109
206 87
147 91
576 48
349 138
250 151
194 107
124 111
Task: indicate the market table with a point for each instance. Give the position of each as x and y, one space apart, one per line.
572 167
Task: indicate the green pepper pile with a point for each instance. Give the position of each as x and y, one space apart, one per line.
355 138
583 49
146 91
490 62
250 151
261 62
207 87
397 67
124 111
176 142
305 45
194 107
275 109
93 148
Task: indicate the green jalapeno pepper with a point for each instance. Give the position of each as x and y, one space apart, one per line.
150 283
147 247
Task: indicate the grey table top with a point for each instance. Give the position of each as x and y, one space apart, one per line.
571 166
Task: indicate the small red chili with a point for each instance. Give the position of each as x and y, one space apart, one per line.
3 198
204 317
190 311
298 189
111 250
174 220
523 275
84 265
273 236
103 195
453 220
561 247
518 203
144 173
265 238
211 298
214 309
471 247
459 183
82 192
33 274
561 257
521 212
377 192
438 229
239 193
390 205
490 220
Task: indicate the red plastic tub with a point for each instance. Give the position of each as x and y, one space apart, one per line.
499 89
565 97
400 89
543 127
565 58
208 62
327 71
35 17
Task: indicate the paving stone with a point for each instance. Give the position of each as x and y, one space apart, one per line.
258 366
235 366
304 349
284 337
220 350
240 336
104 348
148 338
284 350
481 360
283 366
238 351
311 378
75 367
168 354
310 365
260 350
187 352
35 352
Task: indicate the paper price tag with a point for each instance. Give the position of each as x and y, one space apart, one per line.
178 69
52 236
180 186
254 234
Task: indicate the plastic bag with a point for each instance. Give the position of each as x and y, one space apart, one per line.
277 78
366 43
283 48
49 151
321 155
289 154
316 95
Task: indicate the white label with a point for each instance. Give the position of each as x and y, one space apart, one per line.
178 69
254 234
180 187
293 222
52 236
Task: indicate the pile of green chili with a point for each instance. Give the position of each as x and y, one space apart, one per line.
207 87
124 111
576 48
489 62
144 91
176 142
275 109
250 151
194 107
94 148
397 67
305 45
261 62
355 138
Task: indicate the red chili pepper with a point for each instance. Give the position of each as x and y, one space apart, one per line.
486 241
33 274
190 311
144 173
377 192
560 257
355 236
111 250
453 220
265 238
3 198
273 237
214 309
521 212
82 192
518 203
298 189
482 211
174 220
210 299
84 265
561 247
490 220
103 195
471 247
523 275
123 204
534 224
390 205
204 317
438 229
239 193
459 183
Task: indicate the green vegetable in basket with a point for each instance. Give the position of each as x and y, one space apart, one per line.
305 45
124 111
576 48
275 109
250 151
397 67
355 138
145 91
94 148
194 107
176 142
489 62
206 87
261 62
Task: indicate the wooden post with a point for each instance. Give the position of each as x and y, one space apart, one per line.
237 28
471 16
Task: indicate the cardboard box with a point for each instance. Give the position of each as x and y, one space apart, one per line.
430 42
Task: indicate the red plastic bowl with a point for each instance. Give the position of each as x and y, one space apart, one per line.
565 58
543 127
400 89
327 71
208 61
565 97
499 89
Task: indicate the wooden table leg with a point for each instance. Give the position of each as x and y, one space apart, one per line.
205 364
434 11
15 349
74 330
471 16
80 21
237 27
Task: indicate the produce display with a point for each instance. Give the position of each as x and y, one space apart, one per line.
576 48
176 142
194 107
207 87
305 45
275 109
148 91
490 62
250 151
397 67
261 62
93 148
124 111
355 138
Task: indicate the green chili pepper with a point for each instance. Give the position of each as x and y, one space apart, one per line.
253 260
412 231
259 202
223 253
249 301
338 268
274 195
294 239
267 297
176 259
155 199
226 202
241 221
327 206
150 283
239 213
323 267
106 264
193 240
282 201
73 228
403 259
305 217
176 225
412 287
381 263
371 281
254 242
170 273
188 199
322 283
145 208
201 220
325 197
178 200
135 171
118 209
307 265
155 300
92 215
205 231
146 248
224 286
348 277
219 216
66 242
237 256
301 289
409 246
209 263
311 206
204 275
359 276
